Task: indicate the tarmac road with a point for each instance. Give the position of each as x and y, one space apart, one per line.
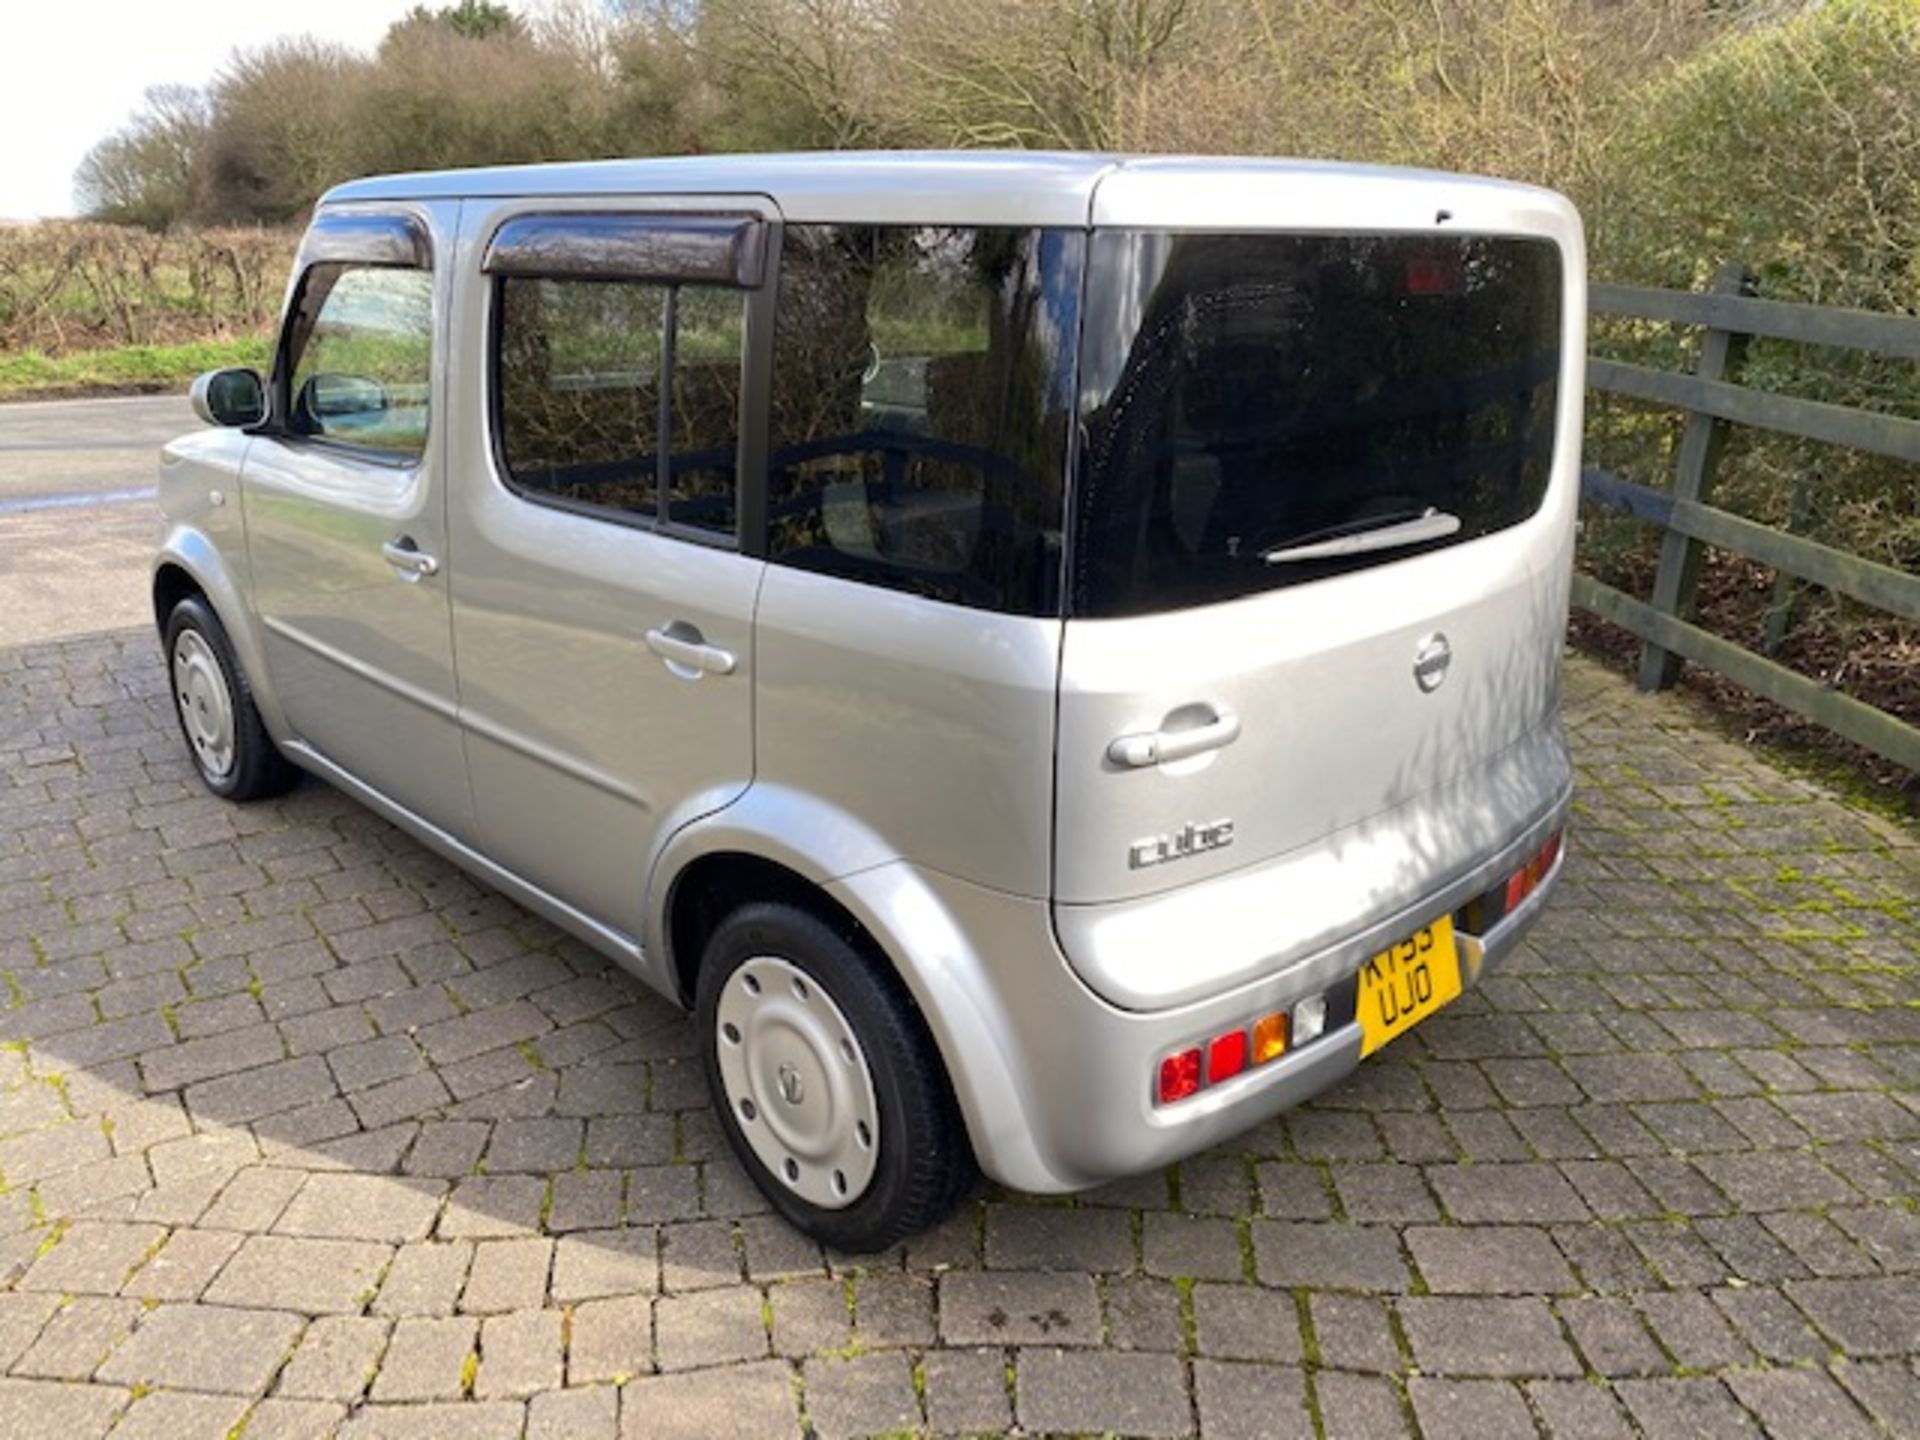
77 519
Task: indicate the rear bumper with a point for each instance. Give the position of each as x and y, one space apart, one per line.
1056 1082
1328 905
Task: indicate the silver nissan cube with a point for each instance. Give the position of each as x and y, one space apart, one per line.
1053 659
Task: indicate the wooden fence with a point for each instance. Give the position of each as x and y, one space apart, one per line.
1713 400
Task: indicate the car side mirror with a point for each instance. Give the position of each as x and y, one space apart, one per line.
230 397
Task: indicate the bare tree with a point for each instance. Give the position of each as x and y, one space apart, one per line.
806 67
279 134
1535 89
1057 74
143 173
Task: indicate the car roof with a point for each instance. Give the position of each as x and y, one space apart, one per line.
979 187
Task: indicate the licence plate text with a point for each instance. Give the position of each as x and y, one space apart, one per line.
1404 984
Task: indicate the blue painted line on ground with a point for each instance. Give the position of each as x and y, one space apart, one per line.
23 503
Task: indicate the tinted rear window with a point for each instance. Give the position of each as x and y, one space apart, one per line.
922 394
1245 395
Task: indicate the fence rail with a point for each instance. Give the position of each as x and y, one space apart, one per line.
1712 400
1895 336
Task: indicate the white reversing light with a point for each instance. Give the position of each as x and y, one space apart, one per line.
1309 1019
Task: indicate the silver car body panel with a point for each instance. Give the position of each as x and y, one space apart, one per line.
1055 1082
1178 192
360 650
203 535
931 722
1334 727
848 187
1344 896
994 187
581 743
900 753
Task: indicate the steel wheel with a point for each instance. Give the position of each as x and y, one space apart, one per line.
205 700
797 1081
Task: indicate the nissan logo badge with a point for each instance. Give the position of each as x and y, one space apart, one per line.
1430 662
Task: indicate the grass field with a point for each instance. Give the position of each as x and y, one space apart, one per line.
125 369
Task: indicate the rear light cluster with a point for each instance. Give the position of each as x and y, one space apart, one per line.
1524 881
1188 1072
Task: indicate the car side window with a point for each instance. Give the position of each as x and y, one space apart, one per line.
585 415
360 353
578 371
922 381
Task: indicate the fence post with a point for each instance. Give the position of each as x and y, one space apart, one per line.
1786 589
1701 442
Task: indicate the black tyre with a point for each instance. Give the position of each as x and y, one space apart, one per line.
827 1082
225 739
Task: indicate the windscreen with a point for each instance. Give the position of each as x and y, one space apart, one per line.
1265 410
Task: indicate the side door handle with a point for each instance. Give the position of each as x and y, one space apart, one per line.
1160 747
404 555
687 653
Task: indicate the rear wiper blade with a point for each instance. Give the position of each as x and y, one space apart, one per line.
1387 532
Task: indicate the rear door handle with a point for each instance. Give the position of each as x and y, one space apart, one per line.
403 554
1160 747
688 654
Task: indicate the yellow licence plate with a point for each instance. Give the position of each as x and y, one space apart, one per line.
1403 985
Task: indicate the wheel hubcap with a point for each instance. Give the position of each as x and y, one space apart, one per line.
797 1082
205 705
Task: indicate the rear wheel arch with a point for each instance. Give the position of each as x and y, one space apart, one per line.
714 885
955 1002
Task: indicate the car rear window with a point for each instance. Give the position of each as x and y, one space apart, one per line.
922 395
1263 410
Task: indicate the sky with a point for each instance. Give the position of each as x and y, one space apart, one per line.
75 70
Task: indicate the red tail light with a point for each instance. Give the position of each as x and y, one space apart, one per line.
1524 881
1226 1056
1516 891
1179 1075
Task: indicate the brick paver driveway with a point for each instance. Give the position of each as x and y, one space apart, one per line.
301 1130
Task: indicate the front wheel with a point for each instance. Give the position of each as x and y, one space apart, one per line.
228 743
827 1081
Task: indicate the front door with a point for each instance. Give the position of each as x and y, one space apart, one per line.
345 511
602 609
